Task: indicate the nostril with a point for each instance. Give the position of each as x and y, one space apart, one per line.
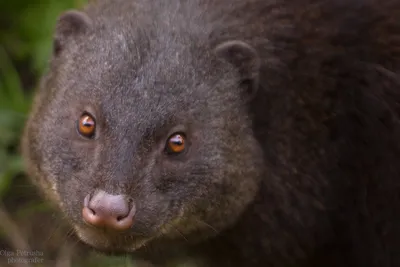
92 211
111 211
88 210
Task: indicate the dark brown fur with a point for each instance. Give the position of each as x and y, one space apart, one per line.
306 173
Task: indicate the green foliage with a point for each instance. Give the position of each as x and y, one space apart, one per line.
25 44
13 107
27 27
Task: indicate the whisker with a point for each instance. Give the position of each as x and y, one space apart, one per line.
52 233
208 225
75 241
176 229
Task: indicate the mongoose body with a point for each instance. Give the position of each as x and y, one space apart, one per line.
232 132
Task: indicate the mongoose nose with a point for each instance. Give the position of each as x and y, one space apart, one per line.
108 211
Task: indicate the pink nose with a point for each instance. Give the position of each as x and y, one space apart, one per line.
109 211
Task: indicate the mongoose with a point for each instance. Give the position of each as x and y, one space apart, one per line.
231 132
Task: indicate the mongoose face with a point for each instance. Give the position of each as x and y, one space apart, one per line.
147 125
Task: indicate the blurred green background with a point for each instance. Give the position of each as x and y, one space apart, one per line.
26 222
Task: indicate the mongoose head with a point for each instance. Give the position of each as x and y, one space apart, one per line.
139 133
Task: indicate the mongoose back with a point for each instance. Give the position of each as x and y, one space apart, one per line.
231 132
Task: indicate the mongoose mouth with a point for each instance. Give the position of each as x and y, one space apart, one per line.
110 243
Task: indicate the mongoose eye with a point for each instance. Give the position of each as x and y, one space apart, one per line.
175 143
86 125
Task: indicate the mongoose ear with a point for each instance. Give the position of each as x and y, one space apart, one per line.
70 24
245 59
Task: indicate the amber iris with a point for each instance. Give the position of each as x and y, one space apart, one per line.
176 143
86 125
